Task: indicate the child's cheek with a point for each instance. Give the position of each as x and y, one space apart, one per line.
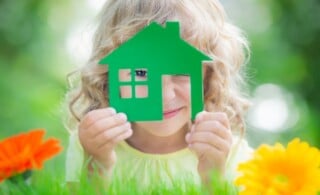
186 91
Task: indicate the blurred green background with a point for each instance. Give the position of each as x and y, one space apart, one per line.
42 41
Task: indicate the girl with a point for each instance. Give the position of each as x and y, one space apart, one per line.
173 150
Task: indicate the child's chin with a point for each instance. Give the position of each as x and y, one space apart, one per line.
164 133
170 129
166 127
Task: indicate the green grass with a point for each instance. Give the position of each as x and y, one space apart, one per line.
49 183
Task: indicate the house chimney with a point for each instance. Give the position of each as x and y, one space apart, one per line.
173 28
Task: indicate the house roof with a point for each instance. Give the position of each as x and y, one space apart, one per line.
157 47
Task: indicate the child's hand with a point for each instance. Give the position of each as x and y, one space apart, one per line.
210 138
100 130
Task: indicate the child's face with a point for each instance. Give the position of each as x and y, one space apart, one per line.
176 104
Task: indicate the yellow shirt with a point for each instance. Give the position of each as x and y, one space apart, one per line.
179 167
155 169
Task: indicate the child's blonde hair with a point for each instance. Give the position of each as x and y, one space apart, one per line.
203 24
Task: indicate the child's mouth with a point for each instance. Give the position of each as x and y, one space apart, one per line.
171 113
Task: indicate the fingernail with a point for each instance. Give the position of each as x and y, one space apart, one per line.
198 117
128 125
112 110
122 116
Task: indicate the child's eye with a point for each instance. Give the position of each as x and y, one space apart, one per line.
141 73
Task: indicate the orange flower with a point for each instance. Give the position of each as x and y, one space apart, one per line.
25 151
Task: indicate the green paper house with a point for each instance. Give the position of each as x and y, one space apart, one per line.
159 51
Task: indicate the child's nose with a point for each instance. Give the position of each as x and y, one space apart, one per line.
168 88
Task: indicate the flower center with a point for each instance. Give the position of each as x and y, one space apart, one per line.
281 178
280 182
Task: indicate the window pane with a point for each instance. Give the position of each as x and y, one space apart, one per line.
141 91
124 75
126 91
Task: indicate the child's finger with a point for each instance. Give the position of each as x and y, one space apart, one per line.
192 127
120 137
110 135
95 115
219 116
123 136
105 124
202 149
214 127
211 139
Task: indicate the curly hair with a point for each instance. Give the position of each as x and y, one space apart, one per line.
203 24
